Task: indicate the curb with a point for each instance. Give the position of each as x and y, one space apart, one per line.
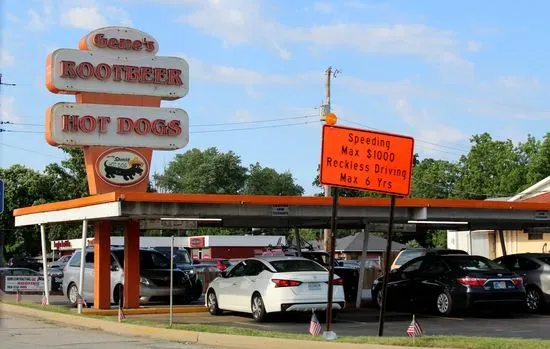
201 338
143 311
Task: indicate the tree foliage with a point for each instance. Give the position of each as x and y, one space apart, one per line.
267 181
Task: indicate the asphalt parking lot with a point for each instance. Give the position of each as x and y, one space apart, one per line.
365 322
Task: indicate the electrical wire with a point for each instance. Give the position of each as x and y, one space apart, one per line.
256 127
31 151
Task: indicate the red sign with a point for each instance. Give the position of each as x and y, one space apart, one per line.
61 244
196 242
366 160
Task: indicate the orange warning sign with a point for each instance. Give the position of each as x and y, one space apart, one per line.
366 160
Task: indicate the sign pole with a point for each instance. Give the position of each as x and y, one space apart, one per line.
335 192
45 263
171 280
82 262
386 269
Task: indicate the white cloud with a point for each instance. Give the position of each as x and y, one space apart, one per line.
240 22
7 109
243 115
40 20
474 46
83 18
92 16
323 7
518 82
12 18
382 88
426 127
6 58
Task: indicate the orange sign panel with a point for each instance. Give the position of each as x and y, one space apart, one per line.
366 160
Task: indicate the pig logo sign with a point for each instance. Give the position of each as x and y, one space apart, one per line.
122 167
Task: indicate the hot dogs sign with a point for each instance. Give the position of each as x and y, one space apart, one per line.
119 82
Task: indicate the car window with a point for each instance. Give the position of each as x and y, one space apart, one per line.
75 261
435 267
510 262
412 266
24 272
238 270
408 255
4 272
254 268
545 260
527 264
474 263
294 265
89 260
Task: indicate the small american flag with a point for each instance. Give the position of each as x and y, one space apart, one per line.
17 296
314 326
121 315
414 329
44 300
81 301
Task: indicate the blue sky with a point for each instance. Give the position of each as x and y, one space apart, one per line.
436 70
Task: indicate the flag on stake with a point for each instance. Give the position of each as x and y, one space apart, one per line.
17 296
414 329
44 299
314 325
81 301
121 315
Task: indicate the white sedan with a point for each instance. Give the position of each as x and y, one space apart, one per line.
266 285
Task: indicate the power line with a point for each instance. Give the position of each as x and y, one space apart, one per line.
31 151
19 131
256 127
4 83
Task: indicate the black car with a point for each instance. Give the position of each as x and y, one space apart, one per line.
183 262
451 283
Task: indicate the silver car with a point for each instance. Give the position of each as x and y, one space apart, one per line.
535 270
154 278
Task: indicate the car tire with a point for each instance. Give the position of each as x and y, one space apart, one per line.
257 307
534 301
378 299
72 294
212 303
444 303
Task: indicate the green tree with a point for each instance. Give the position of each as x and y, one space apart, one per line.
68 179
267 181
208 171
434 179
491 168
536 158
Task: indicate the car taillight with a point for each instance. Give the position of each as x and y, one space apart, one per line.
338 281
468 281
517 281
286 283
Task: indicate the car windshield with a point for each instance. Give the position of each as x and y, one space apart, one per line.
296 265
406 256
320 258
153 260
474 263
182 257
545 259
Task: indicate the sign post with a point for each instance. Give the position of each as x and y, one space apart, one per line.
1 196
365 160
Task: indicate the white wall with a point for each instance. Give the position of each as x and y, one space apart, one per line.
474 242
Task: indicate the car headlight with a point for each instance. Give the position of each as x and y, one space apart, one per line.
144 281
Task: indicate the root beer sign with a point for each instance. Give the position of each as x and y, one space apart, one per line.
119 82
366 160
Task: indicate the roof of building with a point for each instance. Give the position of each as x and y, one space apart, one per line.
543 198
354 243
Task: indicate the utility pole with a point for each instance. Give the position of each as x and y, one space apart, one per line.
324 110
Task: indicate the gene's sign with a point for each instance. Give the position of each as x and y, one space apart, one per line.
366 160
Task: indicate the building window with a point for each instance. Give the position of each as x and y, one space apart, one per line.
534 236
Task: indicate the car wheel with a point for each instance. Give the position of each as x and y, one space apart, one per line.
212 303
444 303
72 295
258 309
378 296
534 300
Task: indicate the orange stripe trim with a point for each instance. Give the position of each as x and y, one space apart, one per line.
277 200
63 205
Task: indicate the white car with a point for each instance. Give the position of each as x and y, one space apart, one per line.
265 285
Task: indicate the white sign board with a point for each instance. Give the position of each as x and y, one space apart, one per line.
25 284
75 124
71 71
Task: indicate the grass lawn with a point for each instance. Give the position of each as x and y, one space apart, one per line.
458 342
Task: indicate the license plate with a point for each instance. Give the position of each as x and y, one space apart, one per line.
499 285
314 286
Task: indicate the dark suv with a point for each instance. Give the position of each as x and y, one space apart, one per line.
407 254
